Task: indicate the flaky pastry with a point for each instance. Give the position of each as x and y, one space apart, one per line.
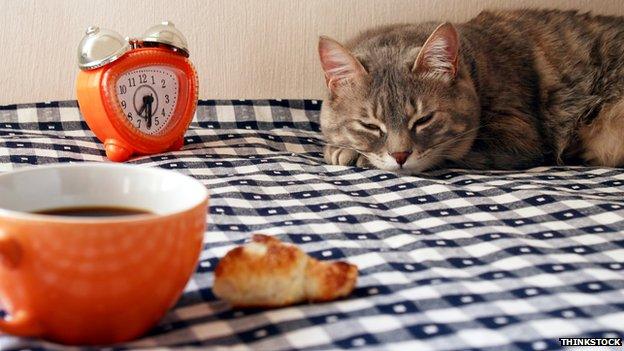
269 273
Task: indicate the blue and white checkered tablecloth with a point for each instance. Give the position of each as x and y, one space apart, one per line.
449 260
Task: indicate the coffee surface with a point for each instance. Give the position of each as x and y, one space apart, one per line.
93 211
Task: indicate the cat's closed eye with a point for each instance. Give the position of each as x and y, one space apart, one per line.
423 120
371 127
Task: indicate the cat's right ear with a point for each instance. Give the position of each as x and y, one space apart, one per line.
339 65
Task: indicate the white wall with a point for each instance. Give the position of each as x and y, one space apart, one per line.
242 48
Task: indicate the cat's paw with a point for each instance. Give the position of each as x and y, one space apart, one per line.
363 162
342 157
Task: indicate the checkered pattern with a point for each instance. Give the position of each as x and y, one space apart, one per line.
448 260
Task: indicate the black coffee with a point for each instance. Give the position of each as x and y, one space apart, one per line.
93 211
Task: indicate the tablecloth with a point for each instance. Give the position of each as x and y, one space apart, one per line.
449 260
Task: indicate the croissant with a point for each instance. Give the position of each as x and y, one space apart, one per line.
269 273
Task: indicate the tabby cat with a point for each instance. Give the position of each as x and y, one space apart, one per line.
506 90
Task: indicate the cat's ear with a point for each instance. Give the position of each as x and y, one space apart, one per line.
339 65
439 56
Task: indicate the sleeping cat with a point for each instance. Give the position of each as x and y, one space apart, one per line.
506 90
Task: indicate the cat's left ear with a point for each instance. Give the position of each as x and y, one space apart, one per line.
439 56
339 65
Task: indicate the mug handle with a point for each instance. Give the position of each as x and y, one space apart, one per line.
21 323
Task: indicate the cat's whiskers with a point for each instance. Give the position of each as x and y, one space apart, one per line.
361 152
442 144
433 151
436 150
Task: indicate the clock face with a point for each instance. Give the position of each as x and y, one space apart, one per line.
148 97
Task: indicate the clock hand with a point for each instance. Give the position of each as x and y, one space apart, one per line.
140 112
149 115
147 108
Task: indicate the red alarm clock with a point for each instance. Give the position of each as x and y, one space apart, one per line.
137 95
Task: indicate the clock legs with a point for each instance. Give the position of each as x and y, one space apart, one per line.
117 151
177 145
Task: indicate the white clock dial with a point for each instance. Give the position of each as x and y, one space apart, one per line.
148 97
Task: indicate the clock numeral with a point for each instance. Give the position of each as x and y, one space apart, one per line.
143 85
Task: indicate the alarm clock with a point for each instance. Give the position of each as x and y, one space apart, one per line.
138 96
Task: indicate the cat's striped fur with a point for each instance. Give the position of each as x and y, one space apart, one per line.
510 89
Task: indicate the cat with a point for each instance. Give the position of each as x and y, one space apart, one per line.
505 90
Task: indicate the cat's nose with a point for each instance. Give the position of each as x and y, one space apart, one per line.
401 157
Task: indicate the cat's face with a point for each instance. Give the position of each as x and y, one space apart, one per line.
404 114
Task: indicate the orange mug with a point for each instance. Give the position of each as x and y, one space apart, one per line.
90 280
